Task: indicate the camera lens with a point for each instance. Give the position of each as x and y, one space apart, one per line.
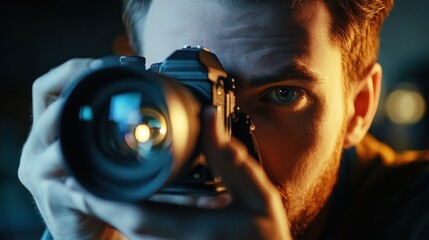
133 131
125 134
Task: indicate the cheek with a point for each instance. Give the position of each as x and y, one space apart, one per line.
285 142
296 145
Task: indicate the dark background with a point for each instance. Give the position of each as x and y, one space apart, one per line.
37 35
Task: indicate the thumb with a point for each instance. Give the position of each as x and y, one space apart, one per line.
244 177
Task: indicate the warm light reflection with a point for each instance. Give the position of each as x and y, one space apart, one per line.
142 133
163 131
405 106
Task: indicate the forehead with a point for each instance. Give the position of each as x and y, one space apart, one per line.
241 35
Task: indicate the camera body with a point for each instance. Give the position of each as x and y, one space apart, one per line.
127 133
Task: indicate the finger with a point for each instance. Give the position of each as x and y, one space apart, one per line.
243 176
208 201
41 155
50 164
147 218
34 169
48 87
59 211
45 130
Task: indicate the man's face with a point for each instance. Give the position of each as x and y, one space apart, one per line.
290 82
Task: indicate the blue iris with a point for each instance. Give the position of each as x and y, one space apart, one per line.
285 95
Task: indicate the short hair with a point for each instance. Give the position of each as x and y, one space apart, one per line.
355 29
132 12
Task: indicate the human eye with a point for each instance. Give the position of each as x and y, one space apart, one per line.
284 95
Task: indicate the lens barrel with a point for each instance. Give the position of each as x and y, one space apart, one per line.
127 133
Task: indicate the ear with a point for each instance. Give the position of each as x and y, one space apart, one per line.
362 105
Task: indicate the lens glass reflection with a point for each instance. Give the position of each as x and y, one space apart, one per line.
142 133
136 129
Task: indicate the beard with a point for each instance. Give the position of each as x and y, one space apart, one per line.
303 212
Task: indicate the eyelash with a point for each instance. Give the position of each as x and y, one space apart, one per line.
290 95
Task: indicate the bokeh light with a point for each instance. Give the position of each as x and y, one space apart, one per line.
405 106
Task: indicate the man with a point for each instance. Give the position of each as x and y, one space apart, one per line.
307 74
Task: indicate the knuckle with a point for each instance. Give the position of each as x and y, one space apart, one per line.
75 63
23 167
72 63
22 175
37 85
29 174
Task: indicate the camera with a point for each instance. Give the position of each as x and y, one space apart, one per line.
128 132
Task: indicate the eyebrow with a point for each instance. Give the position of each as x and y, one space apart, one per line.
295 71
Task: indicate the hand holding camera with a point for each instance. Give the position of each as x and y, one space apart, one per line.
71 212
128 133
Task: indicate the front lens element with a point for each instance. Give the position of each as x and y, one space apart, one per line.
142 133
135 129
147 130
